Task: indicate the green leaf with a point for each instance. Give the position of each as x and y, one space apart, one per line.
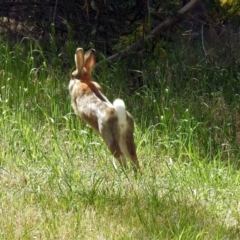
93 5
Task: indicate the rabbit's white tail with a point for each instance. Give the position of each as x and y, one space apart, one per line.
121 110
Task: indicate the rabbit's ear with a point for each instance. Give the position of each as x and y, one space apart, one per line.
79 59
89 59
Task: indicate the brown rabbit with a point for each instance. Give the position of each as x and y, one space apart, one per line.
112 122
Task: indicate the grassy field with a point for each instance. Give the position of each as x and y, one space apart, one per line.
58 180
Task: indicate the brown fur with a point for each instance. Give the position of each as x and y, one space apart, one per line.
89 102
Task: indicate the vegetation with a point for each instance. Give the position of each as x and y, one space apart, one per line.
233 6
105 25
57 178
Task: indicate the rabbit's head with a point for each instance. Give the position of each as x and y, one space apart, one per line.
84 64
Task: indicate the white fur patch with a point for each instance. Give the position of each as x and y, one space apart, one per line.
71 84
123 124
121 110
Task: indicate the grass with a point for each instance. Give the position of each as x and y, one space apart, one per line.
58 180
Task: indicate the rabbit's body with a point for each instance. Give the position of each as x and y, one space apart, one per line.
111 121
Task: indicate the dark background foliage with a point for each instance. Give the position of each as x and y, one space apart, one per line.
113 25
97 23
104 24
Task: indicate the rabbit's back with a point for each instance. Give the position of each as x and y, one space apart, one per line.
98 113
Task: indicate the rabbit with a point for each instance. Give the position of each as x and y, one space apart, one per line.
110 120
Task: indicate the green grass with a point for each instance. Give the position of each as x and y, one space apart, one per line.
58 180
